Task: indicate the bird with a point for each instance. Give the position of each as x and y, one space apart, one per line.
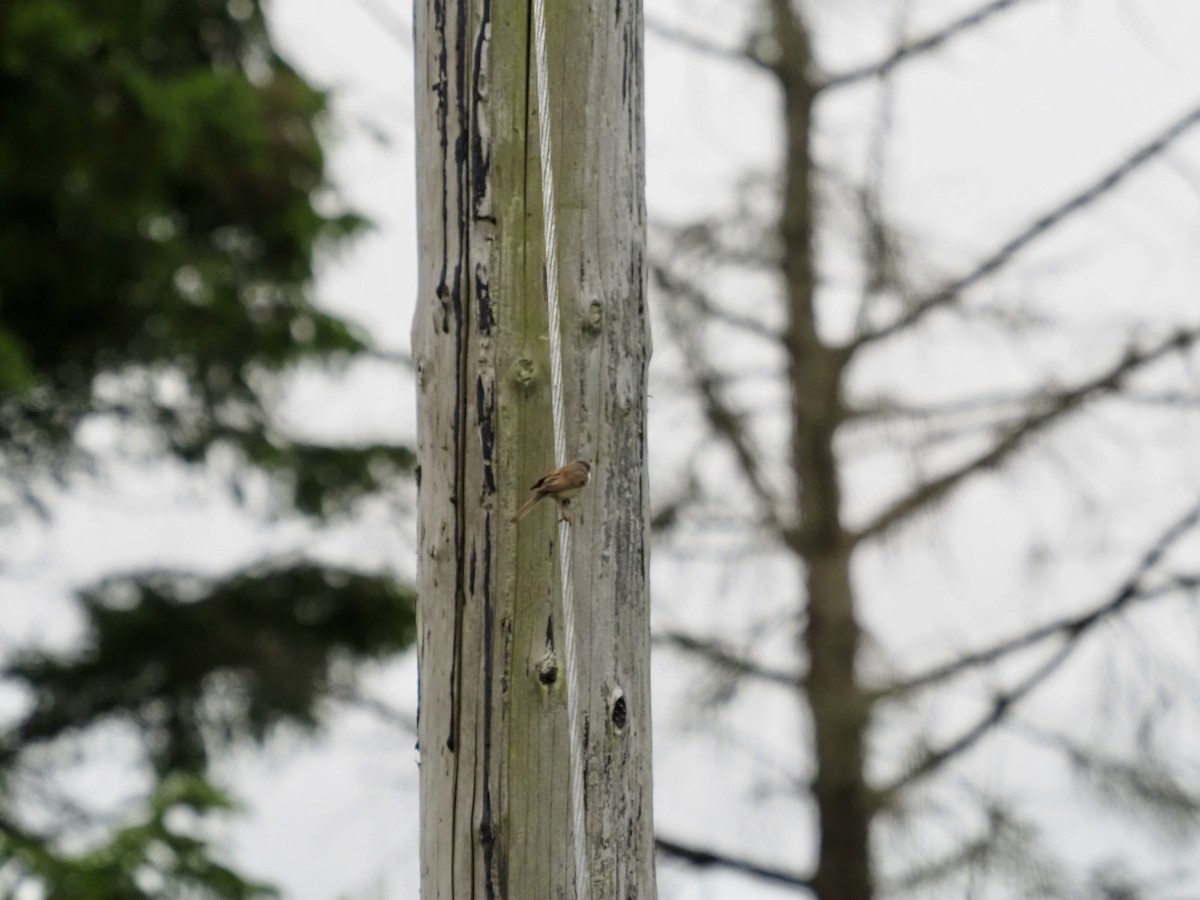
562 484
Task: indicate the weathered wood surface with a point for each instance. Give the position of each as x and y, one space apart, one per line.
493 731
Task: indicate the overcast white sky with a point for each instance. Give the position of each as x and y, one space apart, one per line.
1041 102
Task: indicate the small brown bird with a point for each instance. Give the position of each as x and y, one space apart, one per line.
562 484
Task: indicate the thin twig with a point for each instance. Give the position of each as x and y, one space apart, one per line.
376 707
725 422
951 291
1070 625
931 41
1052 410
703 858
879 245
399 357
703 304
1000 706
727 659
1073 629
690 41
886 407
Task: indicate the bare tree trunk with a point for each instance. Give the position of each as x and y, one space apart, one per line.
495 775
949 439
839 708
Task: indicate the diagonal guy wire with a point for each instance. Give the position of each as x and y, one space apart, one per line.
575 738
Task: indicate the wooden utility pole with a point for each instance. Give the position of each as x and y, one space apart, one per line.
495 767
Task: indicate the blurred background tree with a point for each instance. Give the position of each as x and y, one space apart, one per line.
163 201
929 513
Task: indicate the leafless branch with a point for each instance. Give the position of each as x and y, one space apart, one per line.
729 660
955 419
1159 796
665 515
377 707
929 428
730 427
743 237
695 42
929 42
726 423
705 307
398 357
1188 400
878 241
882 422
1072 629
950 292
1003 841
1052 409
703 858
885 407
1069 626
956 860
999 708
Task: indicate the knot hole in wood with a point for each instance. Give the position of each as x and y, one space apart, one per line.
547 669
524 373
618 711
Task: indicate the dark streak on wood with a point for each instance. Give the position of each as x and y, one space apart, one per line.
505 675
494 879
471 581
484 318
480 149
485 408
625 51
439 15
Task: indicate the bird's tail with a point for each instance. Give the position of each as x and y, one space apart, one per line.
524 510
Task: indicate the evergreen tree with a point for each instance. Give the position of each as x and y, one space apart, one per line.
163 197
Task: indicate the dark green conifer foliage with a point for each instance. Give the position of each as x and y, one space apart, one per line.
163 203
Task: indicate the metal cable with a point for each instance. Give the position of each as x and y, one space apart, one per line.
574 690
